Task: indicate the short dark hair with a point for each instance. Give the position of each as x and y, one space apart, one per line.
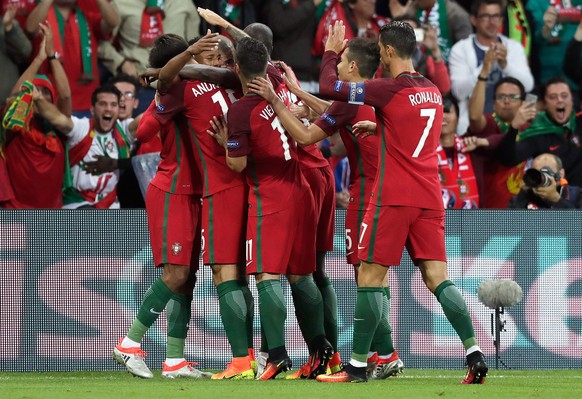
399 35
366 53
165 48
513 81
262 33
449 101
477 5
252 57
124 78
226 47
552 81
105 89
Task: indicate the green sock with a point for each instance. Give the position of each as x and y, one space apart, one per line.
273 312
329 310
264 344
366 319
308 308
250 302
154 303
382 341
179 312
455 309
233 311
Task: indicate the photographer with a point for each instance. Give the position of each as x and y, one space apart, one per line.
544 187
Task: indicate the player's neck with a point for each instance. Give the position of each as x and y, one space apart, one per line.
399 66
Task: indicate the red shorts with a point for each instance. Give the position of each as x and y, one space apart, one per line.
321 182
174 224
386 230
354 218
224 217
283 242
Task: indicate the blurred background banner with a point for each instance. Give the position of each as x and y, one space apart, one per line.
71 282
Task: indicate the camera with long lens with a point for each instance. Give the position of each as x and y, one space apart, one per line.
534 178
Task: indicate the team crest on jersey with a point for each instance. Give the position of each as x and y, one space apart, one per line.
338 85
232 144
176 248
328 118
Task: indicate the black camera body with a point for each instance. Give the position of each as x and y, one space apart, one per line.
534 178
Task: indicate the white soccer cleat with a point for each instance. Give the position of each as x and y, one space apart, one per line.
183 370
261 362
133 360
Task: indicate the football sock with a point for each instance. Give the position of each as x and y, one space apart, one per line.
179 313
366 318
233 311
154 302
329 310
250 303
272 312
455 309
308 308
382 341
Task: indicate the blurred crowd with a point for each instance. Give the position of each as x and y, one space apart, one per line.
509 72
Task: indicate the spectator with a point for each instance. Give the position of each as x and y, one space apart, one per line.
573 57
134 36
545 187
293 26
428 59
553 29
23 8
449 19
456 174
87 138
15 48
76 35
485 55
35 154
358 16
555 130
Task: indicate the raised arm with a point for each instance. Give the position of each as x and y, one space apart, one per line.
110 17
18 47
64 100
477 119
302 134
315 103
37 15
213 18
32 69
51 113
221 76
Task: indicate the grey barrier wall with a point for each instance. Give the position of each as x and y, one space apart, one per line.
72 281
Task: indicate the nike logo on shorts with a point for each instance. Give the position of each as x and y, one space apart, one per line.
152 310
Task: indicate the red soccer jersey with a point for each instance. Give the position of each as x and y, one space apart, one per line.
361 150
177 171
272 167
200 101
409 113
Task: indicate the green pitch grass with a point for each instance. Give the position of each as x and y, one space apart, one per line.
423 384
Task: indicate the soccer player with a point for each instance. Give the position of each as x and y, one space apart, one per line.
358 63
224 208
173 209
406 207
278 196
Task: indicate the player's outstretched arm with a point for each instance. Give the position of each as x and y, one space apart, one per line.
315 103
221 76
302 134
214 19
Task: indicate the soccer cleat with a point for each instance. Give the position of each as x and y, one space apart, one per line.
477 369
302 373
261 362
239 369
253 360
320 358
183 370
385 368
372 361
272 369
132 359
349 374
335 364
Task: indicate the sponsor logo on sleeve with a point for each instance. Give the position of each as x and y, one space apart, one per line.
328 118
338 85
232 144
356 93
160 107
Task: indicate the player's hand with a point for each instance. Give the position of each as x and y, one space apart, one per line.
149 76
471 143
524 114
290 78
208 42
102 164
212 18
364 129
220 131
342 199
336 40
263 88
